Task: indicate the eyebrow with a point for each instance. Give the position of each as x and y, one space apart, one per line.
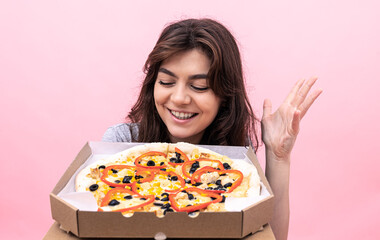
192 77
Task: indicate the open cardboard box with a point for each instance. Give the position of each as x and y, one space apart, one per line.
146 225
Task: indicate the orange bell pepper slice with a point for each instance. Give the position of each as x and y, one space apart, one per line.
187 165
196 177
147 154
192 208
122 182
107 200
183 156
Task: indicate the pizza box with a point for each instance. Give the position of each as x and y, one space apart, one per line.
87 224
55 233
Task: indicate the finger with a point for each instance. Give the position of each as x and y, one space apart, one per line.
267 108
309 101
302 93
296 122
294 91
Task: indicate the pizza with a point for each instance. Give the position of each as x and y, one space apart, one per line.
164 177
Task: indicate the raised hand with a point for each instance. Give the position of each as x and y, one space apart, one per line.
280 129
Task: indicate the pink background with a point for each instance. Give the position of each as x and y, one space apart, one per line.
70 69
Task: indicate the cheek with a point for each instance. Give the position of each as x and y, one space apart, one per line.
210 104
157 96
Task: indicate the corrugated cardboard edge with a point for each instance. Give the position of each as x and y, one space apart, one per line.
147 225
254 218
61 211
55 233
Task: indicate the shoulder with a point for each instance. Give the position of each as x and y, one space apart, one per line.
122 132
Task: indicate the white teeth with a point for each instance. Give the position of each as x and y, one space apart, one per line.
181 115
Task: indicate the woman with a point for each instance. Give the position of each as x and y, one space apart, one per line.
194 92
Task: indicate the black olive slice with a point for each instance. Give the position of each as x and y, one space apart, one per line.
165 199
195 165
190 196
127 179
94 187
166 205
165 194
226 166
113 202
151 163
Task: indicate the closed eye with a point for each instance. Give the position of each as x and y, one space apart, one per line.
165 83
201 89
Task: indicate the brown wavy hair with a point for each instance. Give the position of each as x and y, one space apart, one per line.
235 123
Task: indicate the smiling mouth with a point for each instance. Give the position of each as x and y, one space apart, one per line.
182 115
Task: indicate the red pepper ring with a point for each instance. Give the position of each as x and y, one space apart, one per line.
112 192
198 174
192 208
115 167
184 156
184 166
151 153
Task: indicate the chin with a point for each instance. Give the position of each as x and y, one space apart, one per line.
182 136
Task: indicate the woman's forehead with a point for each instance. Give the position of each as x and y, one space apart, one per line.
186 62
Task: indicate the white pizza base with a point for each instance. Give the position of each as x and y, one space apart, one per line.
235 198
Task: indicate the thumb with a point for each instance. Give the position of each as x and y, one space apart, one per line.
267 108
296 121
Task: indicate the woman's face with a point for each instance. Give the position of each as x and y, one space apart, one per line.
183 98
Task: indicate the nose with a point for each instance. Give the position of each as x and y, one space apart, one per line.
180 95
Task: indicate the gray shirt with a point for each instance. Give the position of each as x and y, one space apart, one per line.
127 132
123 132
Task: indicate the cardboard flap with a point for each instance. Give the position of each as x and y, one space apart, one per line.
82 156
253 217
252 156
147 225
64 213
